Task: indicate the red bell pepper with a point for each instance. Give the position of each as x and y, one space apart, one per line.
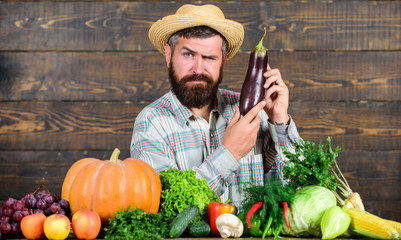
214 210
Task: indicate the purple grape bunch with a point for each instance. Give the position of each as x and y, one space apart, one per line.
42 201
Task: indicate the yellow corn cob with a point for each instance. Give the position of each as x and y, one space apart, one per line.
369 225
396 225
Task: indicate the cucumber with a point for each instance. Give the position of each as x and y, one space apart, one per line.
182 220
199 229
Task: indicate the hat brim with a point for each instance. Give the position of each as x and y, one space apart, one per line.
160 31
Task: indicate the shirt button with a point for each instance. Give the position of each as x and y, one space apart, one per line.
211 135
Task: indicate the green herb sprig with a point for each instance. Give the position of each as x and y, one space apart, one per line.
311 165
135 223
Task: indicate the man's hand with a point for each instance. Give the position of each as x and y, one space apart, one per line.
241 133
276 97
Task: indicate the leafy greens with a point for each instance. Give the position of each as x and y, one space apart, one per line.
311 165
135 223
272 193
316 166
181 189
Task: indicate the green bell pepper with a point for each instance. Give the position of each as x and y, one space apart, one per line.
335 221
256 229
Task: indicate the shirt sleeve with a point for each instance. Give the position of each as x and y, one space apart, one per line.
219 169
278 137
149 147
148 143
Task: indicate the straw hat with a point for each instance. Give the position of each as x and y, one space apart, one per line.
190 15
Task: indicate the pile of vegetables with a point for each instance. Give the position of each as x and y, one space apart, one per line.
308 205
320 187
181 189
184 202
314 202
324 204
311 165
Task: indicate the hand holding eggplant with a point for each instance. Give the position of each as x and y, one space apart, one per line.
241 133
276 97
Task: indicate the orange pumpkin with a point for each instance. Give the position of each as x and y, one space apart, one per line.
107 186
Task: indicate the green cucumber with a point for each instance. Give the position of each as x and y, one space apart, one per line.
199 229
182 220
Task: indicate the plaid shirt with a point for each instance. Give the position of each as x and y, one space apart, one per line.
167 134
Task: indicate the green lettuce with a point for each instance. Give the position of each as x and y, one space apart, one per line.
181 189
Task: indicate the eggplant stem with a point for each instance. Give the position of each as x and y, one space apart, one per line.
260 48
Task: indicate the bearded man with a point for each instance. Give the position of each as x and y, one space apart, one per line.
197 125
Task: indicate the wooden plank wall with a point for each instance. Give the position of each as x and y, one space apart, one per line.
74 75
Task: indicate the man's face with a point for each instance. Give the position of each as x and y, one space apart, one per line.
195 70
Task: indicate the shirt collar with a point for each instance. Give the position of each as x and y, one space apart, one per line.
181 112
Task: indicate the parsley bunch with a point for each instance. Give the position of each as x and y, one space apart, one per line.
311 165
135 223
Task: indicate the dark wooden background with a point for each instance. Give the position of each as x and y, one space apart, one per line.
74 75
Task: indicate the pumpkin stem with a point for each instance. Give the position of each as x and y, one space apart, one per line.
114 155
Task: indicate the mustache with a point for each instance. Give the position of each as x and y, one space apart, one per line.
196 77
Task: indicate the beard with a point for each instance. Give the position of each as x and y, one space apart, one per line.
198 95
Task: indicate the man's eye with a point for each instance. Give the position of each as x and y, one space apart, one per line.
187 54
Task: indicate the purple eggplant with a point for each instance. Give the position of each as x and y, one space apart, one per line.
252 91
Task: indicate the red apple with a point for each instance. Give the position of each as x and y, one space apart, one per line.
86 224
57 226
32 226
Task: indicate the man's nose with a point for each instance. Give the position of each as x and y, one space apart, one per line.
198 65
